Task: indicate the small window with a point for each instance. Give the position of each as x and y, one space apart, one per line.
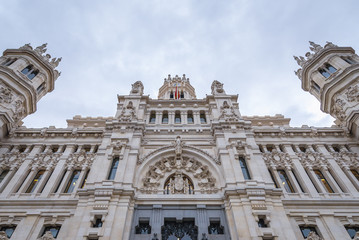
97 222
27 69
352 230
324 73
244 168
33 74
202 117
153 117
324 181
316 87
3 174
285 181
51 230
73 181
348 60
87 148
9 230
270 148
182 94
40 88
336 148
189 117
302 148
35 181
330 68
215 227
171 94
143 227
113 169
262 222
306 230
165 117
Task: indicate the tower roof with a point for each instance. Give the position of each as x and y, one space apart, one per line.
176 88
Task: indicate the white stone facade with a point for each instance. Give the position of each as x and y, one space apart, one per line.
178 167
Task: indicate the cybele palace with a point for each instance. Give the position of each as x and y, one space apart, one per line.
178 167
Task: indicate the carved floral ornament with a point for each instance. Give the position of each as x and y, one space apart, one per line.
312 159
277 159
46 160
81 160
153 182
316 49
12 160
346 159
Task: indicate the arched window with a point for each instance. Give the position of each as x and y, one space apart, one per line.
202 117
177 117
189 117
114 165
165 117
182 94
178 183
244 168
153 117
330 68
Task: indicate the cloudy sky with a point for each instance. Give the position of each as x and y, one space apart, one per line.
246 44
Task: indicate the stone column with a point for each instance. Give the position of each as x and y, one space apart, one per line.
183 116
157 220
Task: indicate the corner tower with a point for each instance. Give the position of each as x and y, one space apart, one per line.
176 88
26 75
331 74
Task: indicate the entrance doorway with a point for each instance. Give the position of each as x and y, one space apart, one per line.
184 230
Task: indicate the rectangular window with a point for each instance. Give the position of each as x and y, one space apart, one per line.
165 117
35 181
73 181
285 181
306 230
202 117
177 117
113 169
355 173
324 181
189 117
3 175
352 230
9 230
53 230
153 117
244 168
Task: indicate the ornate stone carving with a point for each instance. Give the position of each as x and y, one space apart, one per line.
228 113
47 236
3 236
315 47
178 144
313 236
217 88
277 159
338 109
356 237
128 113
46 160
41 49
346 159
312 159
352 93
5 95
300 60
55 62
81 160
151 182
137 88
12 160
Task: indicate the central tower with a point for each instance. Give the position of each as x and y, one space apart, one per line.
176 88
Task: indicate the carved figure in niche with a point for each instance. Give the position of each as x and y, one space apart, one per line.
313 236
3 236
353 93
217 88
137 88
41 49
5 95
47 236
315 47
178 144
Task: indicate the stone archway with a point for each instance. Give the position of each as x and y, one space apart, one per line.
203 180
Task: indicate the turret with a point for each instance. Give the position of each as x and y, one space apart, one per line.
331 74
26 75
176 88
